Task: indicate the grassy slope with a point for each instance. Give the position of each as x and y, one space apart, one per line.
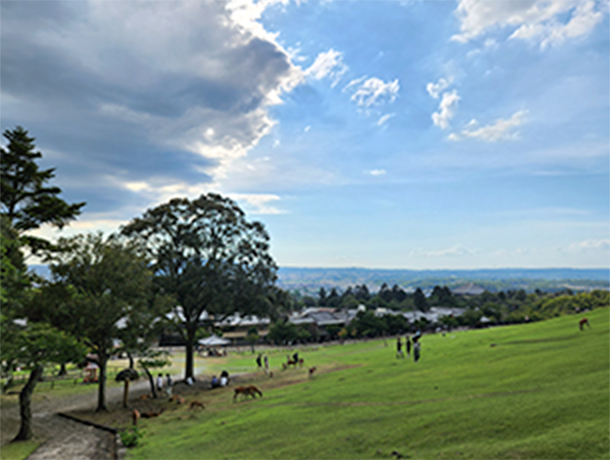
542 391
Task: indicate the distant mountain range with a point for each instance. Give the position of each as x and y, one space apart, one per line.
309 280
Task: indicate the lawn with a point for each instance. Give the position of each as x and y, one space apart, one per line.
537 390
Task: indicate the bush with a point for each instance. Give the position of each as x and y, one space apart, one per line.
130 438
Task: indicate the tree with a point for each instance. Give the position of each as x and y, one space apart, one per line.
282 332
35 345
98 284
209 258
27 201
322 297
32 345
252 337
420 300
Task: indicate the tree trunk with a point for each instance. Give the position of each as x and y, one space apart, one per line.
150 379
25 406
125 393
129 355
62 370
190 349
101 389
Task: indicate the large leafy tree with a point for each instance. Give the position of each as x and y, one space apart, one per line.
209 258
99 285
28 200
25 343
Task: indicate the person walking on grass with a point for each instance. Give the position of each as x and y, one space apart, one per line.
169 384
416 349
399 353
408 345
160 382
266 360
258 360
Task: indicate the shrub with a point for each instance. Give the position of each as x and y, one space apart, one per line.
130 438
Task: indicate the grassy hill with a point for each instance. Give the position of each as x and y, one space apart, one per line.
538 390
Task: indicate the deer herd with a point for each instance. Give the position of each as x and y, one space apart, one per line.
247 390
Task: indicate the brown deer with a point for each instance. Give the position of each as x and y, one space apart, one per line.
135 416
152 414
312 370
249 390
196 404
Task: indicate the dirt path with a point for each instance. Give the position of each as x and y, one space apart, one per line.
63 438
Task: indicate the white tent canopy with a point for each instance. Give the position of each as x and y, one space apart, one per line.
213 341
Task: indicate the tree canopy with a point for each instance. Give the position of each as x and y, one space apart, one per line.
209 258
99 287
27 199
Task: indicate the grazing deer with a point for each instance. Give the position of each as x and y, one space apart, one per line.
135 416
582 322
249 390
312 370
146 397
178 399
152 414
196 404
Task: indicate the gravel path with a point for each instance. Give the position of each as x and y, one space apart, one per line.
66 439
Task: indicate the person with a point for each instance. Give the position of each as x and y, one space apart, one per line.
189 381
169 383
399 348
215 382
160 382
295 357
224 379
266 359
258 360
408 345
416 349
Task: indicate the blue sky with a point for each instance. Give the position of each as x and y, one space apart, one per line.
381 134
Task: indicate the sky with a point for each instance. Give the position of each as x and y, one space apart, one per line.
380 134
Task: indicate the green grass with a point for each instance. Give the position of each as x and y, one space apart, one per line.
18 450
538 390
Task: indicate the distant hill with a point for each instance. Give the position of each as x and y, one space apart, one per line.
309 280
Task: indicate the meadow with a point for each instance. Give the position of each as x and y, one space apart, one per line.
538 390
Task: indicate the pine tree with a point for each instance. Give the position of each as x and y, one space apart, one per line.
27 199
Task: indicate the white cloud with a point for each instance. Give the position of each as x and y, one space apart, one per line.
591 245
548 22
499 130
456 250
377 172
257 203
329 64
384 119
372 91
447 108
435 89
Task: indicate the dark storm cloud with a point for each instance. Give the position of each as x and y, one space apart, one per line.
120 92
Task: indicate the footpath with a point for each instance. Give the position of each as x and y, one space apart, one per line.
64 438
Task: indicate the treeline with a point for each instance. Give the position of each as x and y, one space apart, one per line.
394 298
502 307
496 308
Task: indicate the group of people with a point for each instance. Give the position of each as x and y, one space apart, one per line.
263 360
414 343
223 381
